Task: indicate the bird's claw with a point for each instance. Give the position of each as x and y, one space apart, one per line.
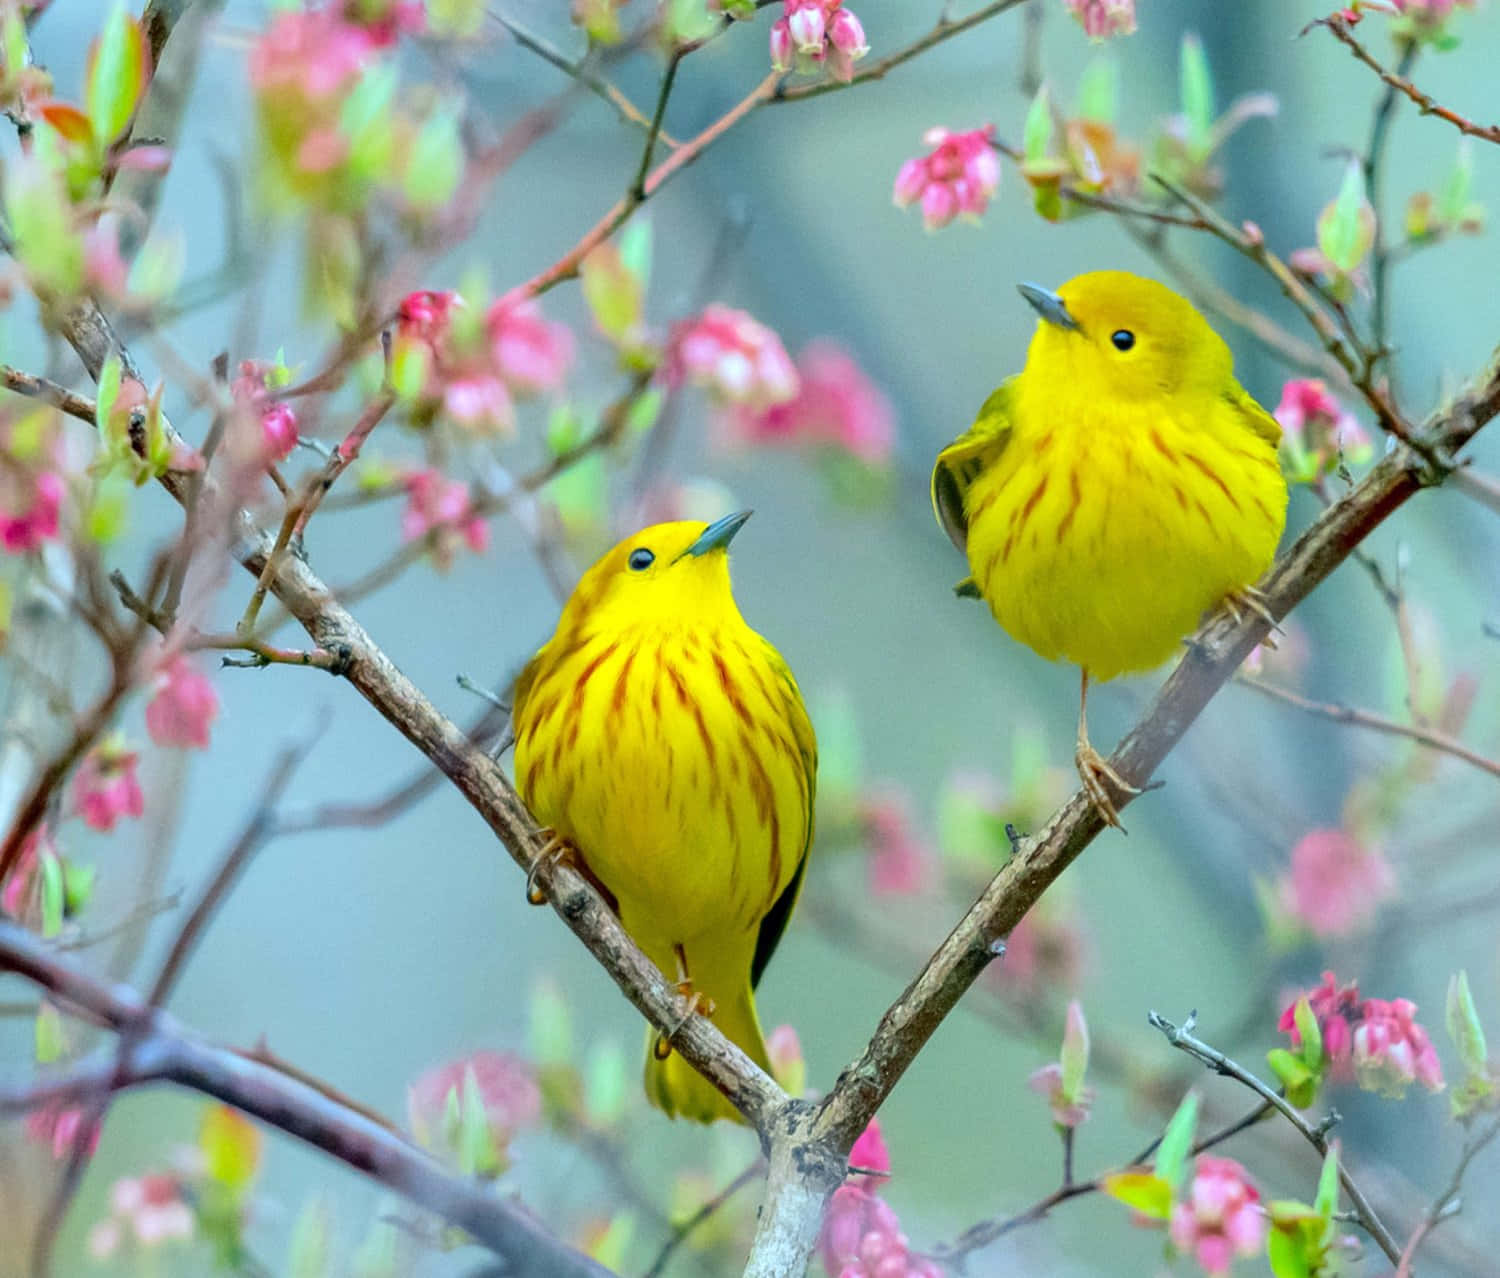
553 852
1097 775
1252 600
696 1003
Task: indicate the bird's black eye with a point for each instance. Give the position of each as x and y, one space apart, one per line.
641 559
1123 339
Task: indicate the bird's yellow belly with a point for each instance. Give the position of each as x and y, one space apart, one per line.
1106 549
686 797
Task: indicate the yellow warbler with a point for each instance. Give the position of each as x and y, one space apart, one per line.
1119 487
666 745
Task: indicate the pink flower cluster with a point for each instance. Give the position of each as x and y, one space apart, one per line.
1335 883
1103 18
507 1090
145 1210
861 1236
955 178
475 374
1221 1217
183 706
1376 1041
278 420
105 786
1430 14
836 405
901 863
1316 423
816 33
736 358
437 504
30 506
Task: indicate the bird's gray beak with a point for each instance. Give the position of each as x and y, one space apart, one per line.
1048 305
719 534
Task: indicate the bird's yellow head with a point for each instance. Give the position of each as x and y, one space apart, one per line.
1110 334
677 572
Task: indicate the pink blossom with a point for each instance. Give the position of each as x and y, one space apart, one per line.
425 316
1320 433
1336 1008
278 420
811 34
438 505
957 177
1428 16
30 508
56 1127
104 267
1102 19
1221 1218
1391 1051
901 864
183 706
861 1238
105 786
837 405
788 1067
479 402
1335 884
869 1153
736 358
530 352
507 1091
19 893
312 55
153 1210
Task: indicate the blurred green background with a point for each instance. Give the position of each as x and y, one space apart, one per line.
366 956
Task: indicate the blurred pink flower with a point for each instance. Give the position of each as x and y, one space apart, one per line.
861 1238
1221 1218
1103 18
30 506
1043 953
1391 1051
815 33
480 402
507 1090
736 358
56 1127
1427 17
788 1068
20 889
278 420
530 352
425 315
1061 1082
901 863
183 706
1320 433
956 178
1335 883
105 786
837 405
1336 1008
307 57
153 1210
437 504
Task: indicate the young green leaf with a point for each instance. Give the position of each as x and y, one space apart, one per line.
1099 91
1177 1141
1346 227
1142 1191
116 75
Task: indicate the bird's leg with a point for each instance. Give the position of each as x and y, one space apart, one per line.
1093 769
696 1002
554 851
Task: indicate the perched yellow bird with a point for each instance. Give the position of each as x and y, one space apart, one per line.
1116 490
666 745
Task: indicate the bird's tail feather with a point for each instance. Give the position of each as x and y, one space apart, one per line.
675 1087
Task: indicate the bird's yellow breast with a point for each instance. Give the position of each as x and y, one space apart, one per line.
1103 537
667 756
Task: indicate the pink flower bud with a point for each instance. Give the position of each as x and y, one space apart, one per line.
782 50
807 29
278 427
183 707
847 34
1391 1051
1102 19
531 353
1221 1217
30 510
105 787
1335 884
869 1151
959 175
729 353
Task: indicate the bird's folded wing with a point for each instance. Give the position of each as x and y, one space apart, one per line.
965 459
1253 415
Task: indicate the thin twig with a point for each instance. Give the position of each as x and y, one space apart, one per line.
1428 737
1428 104
1182 1038
1448 1203
61 397
681 1231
